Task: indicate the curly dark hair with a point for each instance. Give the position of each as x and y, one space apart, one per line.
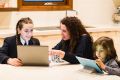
75 29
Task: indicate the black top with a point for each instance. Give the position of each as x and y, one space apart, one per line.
9 48
83 49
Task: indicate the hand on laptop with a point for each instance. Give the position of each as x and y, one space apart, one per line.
100 64
14 62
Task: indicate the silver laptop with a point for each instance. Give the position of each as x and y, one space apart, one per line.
33 55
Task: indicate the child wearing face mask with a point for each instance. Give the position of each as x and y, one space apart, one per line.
105 55
24 33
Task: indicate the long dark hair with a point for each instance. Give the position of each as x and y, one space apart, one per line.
75 29
108 44
19 25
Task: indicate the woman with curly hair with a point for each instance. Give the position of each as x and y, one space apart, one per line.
76 41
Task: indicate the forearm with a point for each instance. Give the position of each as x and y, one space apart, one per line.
71 58
3 59
112 71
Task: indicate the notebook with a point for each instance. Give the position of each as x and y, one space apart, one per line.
33 55
89 63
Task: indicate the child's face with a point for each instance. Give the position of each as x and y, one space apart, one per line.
101 53
26 32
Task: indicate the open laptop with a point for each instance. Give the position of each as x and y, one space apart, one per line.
33 55
89 63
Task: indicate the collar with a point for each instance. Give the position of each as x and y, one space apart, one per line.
23 41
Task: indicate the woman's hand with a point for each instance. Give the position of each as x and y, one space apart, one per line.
100 64
14 62
57 52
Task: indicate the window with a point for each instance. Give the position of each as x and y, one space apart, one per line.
44 2
35 5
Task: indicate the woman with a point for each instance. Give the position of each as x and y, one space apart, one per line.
76 41
24 33
105 55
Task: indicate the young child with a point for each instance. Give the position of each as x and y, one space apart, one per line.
24 33
105 55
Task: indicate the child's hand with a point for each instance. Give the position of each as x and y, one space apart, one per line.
14 62
100 64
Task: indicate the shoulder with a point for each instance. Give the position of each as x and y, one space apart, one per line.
86 37
34 39
12 38
112 63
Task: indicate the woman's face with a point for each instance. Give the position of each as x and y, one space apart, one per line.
64 32
26 32
101 53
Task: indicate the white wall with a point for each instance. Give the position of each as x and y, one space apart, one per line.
40 18
5 19
91 13
95 12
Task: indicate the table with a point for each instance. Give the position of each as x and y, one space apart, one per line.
53 72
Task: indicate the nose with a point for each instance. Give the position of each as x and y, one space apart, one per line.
97 54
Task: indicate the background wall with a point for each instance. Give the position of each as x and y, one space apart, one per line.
91 13
95 12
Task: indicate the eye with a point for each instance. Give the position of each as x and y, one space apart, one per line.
101 50
64 30
31 30
26 31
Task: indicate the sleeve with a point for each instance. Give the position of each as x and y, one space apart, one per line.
70 58
4 52
58 46
83 49
67 57
113 68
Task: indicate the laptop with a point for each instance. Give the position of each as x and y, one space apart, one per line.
33 55
89 63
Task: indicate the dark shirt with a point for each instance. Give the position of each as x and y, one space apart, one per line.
83 49
9 48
